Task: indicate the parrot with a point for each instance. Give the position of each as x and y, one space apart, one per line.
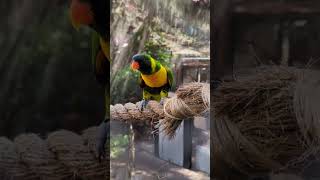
155 79
95 14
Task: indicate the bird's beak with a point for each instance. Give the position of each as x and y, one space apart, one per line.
135 65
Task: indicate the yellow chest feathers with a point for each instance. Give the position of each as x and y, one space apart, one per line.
156 79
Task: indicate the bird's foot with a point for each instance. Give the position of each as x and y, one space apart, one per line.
103 135
216 83
143 104
161 101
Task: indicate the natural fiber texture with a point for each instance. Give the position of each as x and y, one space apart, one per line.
130 112
268 122
34 151
63 155
190 100
66 155
10 164
258 123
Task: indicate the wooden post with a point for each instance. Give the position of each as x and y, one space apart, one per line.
285 43
222 40
156 145
177 150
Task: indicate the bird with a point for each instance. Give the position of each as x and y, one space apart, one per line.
100 63
155 79
95 15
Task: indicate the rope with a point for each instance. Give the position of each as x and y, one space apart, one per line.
63 155
190 100
66 155
267 122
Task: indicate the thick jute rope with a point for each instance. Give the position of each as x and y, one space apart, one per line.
267 122
192 99
63 155
189 101
66 155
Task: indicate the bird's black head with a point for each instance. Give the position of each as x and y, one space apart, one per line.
142 63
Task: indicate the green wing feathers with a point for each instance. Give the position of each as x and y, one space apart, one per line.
142 84
95 46
169 77
101 65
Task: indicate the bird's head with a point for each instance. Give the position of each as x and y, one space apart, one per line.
81 13
142 63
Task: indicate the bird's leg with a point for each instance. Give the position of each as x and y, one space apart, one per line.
161 101
144 104
103 135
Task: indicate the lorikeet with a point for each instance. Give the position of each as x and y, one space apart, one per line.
155 79
95 14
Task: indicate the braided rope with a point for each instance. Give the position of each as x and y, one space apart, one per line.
63 155
67 155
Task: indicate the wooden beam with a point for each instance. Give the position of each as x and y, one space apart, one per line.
196 64
259 8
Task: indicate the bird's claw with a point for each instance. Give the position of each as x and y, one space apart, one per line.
216 83
102 138
143 105
161 102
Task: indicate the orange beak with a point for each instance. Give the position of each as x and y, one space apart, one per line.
80 14
135 65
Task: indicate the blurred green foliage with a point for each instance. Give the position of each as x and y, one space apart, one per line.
118 145
127 90
158 49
